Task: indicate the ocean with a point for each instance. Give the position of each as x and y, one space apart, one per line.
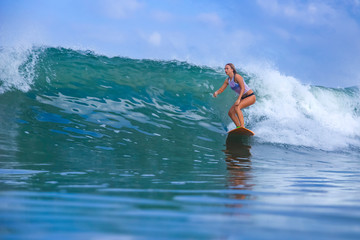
99 147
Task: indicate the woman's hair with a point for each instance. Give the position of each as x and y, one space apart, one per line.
232 67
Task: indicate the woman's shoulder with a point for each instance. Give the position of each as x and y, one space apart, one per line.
237 77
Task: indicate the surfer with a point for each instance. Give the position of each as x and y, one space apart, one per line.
246 95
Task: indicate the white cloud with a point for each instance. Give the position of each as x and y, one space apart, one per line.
155 39
162 16
355 3
118 9
317 13
211 18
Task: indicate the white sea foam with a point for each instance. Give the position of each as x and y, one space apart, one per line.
288 112
17 68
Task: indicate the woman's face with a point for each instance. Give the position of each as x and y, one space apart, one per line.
228 70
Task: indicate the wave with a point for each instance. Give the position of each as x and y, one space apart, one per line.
173 98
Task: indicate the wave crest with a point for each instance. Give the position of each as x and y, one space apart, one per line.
17 68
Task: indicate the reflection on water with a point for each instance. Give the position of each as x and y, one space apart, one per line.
238 160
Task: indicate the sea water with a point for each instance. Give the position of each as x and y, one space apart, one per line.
93 147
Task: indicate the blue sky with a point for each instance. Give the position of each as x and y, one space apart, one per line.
318 42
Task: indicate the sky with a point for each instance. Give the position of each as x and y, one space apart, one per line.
317 42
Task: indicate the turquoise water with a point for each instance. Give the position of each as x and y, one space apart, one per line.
93 147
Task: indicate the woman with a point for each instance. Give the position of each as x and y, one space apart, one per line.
246 95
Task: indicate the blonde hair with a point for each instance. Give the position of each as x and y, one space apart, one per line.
232 67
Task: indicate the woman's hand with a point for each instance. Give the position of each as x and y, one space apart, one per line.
237 102
215 94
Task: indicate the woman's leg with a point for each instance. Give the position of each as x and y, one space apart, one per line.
232 115
243 104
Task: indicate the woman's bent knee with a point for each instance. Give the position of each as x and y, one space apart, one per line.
231 112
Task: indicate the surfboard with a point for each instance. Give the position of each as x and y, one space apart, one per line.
241 131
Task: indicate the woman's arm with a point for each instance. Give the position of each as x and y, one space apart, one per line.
221 89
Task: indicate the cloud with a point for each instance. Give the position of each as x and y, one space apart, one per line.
316 13
210 18
162 16
355 3
118 9
155 39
